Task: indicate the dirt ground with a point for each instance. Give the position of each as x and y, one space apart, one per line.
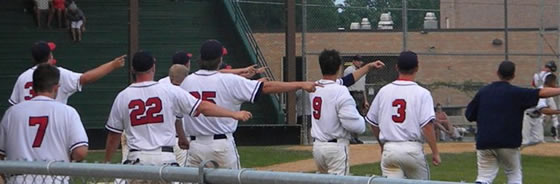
370 153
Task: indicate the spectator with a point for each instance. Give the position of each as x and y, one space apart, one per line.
77 21
444 128
41 8
58 8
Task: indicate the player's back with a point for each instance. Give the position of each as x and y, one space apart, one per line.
401 109
41 129
226 90
23 88
334 113
147 112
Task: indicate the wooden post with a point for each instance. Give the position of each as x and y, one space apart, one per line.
132 35
291 57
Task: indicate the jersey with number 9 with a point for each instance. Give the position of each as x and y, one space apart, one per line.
41 129
400 110
146 113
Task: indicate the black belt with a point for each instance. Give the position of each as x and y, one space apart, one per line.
333 140
217 136
163 149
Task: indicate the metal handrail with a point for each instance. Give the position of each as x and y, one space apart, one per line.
242 20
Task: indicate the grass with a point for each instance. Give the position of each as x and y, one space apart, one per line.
462 167
251 156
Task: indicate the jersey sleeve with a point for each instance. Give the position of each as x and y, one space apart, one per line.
528 97
15 98
427 113
348 115
75 131
244 90
471 113
69 81
372 116
347 80
185 102
115 123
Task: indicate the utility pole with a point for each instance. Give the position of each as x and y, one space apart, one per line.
404 25
506 30
291 57
132 35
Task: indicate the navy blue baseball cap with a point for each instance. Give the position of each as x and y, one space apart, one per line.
407 60
143 61
41 50
212 49
182 58
357 58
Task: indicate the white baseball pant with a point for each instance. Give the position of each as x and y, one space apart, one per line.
489 161
332 157
223 151
533 131
155 157
404 160
180 154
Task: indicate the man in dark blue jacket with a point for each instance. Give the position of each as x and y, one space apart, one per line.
498 111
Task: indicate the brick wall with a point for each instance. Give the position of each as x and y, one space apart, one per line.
434 69
490 13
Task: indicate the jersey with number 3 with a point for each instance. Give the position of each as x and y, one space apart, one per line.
400 110
334 113
146 113
225 90
41 129
23 89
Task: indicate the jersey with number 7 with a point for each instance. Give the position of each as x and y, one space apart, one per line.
400 110
41 129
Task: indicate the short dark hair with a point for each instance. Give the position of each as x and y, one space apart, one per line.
143 61
550 79
506 70
40 51
407 62
330 62
45 77
210 64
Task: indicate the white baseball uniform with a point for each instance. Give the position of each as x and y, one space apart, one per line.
400 110
146 113
23 89
41 129
213 136
334 117
180 154
539 78
533 131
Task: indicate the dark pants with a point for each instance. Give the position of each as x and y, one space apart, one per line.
358 97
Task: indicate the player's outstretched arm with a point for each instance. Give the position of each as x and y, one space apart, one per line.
281 87
113 140
359 73
549 92
79 153
99 72
210 109
430 136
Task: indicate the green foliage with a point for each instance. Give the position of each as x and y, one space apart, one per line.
462 167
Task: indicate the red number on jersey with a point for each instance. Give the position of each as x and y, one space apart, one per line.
401 111
29 86
42 121
206 95
138 107
317 103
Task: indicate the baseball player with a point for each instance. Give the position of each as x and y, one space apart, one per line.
402 116
211 138
533 131
42 128
539 78
146 112
334 117
70 82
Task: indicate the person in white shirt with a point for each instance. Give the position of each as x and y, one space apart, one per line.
334 117
533 131
212 137
539 78
358 91
401 117
42 128
70 82
146 112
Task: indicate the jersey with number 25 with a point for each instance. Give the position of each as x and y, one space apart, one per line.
147 111
41 129
400 110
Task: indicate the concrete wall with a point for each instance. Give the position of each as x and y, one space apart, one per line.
436 71
490 13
